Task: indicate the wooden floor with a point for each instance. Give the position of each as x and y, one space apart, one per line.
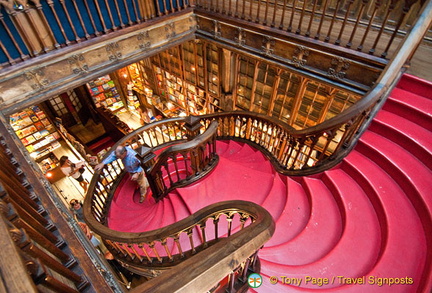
421 64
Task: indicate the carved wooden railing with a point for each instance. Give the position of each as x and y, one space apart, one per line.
233 225
184 163
104 182
361 25
33 28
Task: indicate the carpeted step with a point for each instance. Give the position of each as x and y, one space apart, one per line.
295 215
359 246
244 153
413 100
403 231
411 174
320 235
416 85
180 210
411 107
222 146
223 184
406 134
233 148
276 198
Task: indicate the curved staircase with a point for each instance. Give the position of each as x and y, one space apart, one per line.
356 228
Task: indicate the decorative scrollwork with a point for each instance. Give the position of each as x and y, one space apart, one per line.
38 76
144 40
217 29
114 49
170 30
241 39
268 45
78 64
339 67
298 57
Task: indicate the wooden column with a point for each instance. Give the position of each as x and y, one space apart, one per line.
274 92
298 100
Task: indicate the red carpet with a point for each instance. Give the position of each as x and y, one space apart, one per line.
368 218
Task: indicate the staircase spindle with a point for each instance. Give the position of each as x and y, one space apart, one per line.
128 16
45 23
14 41
298 31
257 18
203 234
338 41
135 252
216 224
168 252
156 253
119 15
383 25
149 259
229 220
281 24
294 4
190 235
28 247
307 34
78 12
177 242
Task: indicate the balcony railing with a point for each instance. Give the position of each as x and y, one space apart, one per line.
365 26
32 28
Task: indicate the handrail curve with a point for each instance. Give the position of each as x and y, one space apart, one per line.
200 153
153 249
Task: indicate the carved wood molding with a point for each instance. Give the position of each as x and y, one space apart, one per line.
51 74
292 52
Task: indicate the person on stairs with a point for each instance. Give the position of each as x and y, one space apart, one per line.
132 165
73 170
77 210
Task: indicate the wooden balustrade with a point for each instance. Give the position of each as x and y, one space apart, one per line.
366 26
32 28
184 163
171 245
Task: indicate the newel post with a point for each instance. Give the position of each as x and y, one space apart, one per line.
147 158
192 126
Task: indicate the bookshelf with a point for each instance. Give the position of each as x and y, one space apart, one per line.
36 132
104 93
